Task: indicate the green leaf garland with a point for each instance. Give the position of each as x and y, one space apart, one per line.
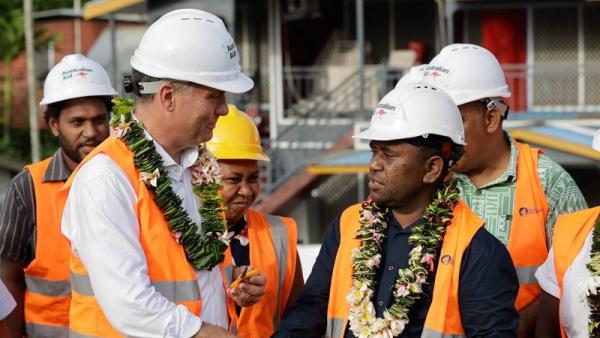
203 250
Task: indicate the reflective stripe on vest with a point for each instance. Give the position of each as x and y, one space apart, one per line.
273 252
280 244
73 334
335 327
41 330
179 291
526 274
280 239
429 333
48 288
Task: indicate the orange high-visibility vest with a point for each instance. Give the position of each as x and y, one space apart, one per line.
570 233
527 240
273 253
168 269
443 317
48 291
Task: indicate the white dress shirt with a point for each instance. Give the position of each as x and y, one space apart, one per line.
100 221
7 302
574 311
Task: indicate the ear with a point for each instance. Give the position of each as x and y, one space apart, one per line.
434 166
166 95
53 125
493 121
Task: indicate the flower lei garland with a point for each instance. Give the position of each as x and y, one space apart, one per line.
592 284
425 239
203 250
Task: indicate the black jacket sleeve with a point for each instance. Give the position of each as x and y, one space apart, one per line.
307 318
488 288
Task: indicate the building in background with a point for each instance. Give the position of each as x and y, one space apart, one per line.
304 56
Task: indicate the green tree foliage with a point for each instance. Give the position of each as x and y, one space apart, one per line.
12 44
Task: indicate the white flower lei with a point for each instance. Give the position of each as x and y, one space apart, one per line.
425 240
592 283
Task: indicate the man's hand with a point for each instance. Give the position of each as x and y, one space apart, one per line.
213 331
250 290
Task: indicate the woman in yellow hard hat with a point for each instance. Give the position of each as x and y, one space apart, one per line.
264 242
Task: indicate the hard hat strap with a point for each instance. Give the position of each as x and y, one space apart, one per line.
491 104
150 87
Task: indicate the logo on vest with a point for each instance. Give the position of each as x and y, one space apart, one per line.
529 211
446 259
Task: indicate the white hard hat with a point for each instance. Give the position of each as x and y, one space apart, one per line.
75 76
191 45
467 73
412 111
414 75
596 142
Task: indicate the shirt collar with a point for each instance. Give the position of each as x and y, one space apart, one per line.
509 175
188 156
58 170
238 227
396 225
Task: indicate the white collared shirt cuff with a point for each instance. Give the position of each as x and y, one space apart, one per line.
183 324
546 276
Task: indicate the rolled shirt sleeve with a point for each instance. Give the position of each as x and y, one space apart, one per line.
546 276
100 221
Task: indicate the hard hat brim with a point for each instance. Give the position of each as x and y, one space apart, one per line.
76 94
243 156
239 85
379 135
461 98
387 135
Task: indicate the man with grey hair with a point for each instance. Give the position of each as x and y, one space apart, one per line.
142 212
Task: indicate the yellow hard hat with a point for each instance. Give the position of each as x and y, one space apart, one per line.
236 137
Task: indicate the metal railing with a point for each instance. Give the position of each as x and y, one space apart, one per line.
317 117
554 87
320 110
333 92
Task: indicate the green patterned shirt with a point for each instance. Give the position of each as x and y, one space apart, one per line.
494 201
